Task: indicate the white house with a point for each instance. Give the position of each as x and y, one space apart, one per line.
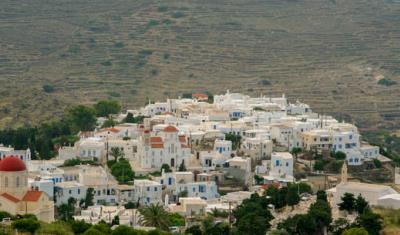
69 189
147 192
178 183
281 168
24 155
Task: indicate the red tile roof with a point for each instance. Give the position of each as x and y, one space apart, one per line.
10 197
170 129
32 196
157 146
199 96
110 130
182 138
156 139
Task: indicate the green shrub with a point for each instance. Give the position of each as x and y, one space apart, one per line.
48 88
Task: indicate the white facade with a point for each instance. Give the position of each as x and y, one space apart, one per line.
282 163
177 183
162 147
71 189
147 192
24 155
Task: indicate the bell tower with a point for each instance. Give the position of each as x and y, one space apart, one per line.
344 173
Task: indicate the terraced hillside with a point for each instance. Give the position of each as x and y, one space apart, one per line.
328 53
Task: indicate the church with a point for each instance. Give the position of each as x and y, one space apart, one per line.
15 195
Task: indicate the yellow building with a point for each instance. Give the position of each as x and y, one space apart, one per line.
15 196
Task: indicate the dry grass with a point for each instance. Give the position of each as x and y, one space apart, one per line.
391 220
326 53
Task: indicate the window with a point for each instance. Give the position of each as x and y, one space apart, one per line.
277 163
79 191
169 181
6 181
155 189
161 181
202 189
17 181
350 136
287 164
148 189
70 192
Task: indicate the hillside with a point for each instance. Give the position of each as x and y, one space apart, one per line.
328 53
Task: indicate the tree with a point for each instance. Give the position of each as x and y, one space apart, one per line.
253 224
79 226
319 165
355 231
292 197
122 171
109 123
115 220
339 155
5 214
116 153
26 225
89 197
194 230
82 118
106 107
93 231
182 167
339 226
348 202
296 151
124 230
176 219
218 213
321 212
252 216
372 222
166 168
279 232
377 163
259 180
360 204
130 205
321 195
234 138
131 119
302 224
154 215
306 224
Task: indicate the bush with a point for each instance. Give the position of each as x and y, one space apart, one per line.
119 45
265 82
386 82
162 8
177 14
377 163
26 225
106 63
319 165
48 88
122 171
152 23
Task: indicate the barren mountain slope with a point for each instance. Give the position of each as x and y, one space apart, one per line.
327 53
